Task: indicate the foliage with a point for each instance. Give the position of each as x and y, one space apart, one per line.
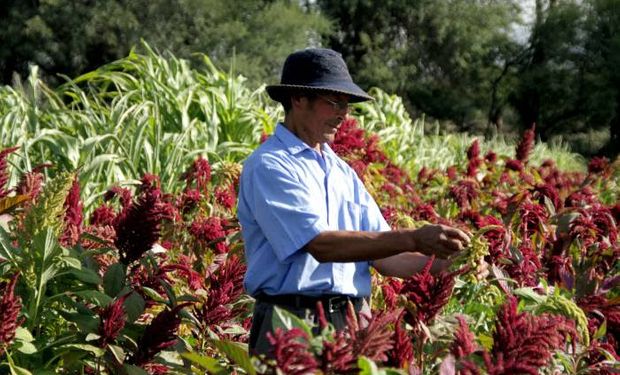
148 278
70 38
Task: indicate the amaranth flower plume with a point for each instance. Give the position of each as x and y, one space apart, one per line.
159 335
464 342
525 147
523 343
10 307
137 226
291 351
426 294
73 216
112 321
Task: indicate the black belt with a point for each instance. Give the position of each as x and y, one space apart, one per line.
331 303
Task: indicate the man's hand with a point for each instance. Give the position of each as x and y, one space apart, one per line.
440 240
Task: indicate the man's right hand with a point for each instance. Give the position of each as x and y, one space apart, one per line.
440 240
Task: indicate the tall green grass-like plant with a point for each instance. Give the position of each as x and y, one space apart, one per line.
408 144
143 113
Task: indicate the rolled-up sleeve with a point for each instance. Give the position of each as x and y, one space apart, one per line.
289 212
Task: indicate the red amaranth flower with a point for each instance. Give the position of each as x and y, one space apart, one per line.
359 167
137 226
73 216
473 152
533 218
349 139
30 184
112 321
525 271
514 165
291 351
159 335
424 211
490 157
402 353
10 307
103 215
464 340
598 165
525 147
225 287
451 172
124 195
599 309
582 198
153 368
199 174
426 294
472 167
549 191
374 341
391 288
4 174
226 196
184 267
464 192
210 233
522 343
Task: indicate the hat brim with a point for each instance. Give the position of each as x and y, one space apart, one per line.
280 93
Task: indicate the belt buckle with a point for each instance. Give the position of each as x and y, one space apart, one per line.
335 303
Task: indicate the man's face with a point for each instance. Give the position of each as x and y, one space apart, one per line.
321 117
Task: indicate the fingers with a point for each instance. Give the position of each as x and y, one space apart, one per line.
442 240
459 234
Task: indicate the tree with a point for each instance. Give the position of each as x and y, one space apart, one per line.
71 37
445 57
569 82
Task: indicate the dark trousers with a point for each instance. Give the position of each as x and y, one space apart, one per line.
301 306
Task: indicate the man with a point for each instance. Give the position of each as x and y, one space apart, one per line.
310 228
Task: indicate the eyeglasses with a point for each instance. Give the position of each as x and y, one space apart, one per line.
337 105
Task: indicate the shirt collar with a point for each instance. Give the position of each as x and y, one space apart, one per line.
293 144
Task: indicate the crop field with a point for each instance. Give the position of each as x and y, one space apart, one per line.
120 252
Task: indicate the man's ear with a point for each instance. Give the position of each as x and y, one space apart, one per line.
297 100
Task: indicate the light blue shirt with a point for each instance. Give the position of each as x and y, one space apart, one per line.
288 194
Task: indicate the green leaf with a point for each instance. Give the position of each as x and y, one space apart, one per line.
86 275
486 341
237 353
16 370
287 320
92 337
601 331
114 279
367 366
98 352
117 352
26 347
98 298
23 334
71 262
210 364
134 370
530 294
134 306
152 293
86 323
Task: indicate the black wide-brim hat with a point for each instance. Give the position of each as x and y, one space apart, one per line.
318 69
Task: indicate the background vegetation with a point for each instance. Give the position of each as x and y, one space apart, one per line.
482 67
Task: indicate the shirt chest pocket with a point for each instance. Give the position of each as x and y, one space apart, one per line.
353 216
